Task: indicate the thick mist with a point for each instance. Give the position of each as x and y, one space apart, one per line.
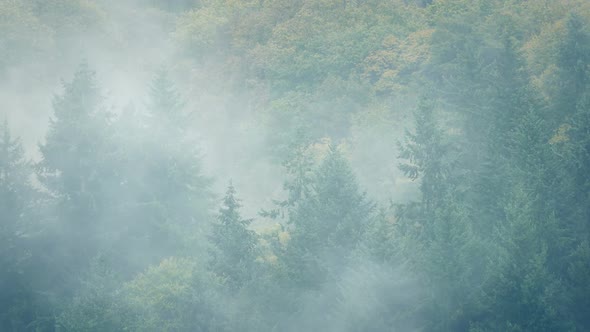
315 165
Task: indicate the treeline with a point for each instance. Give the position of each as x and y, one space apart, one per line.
116 228
118 233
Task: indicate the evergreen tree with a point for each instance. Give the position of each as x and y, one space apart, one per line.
16 191
77 168
523 293
165 198
427 152
571 139
327 224
568 186
445 252
77 165
97 305
486 88
234 253
17 197
570 193
174 167
174 295
165 102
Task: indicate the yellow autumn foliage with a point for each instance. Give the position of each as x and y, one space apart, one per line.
390 66
160 285
561 135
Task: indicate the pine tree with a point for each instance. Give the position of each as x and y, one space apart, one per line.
445 252
17 197
572 106
167 196
75 165
327 224
234 253
427 152
77 168
16 191
522 292
165 100
569 190
175 168
568 185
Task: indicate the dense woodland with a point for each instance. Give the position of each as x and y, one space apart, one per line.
432 161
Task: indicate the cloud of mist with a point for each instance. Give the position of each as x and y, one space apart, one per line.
232 140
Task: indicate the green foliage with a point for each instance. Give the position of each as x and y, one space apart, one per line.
573 60
235 245
173 296
327 224
427 154
201 31
165 103
16 191
17 197
22 35
77 169
520 272
176 165
68 17
166 196
97 306
109 234
75 154
445 252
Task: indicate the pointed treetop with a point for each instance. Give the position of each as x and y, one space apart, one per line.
11 148
229 212
163 95
80 96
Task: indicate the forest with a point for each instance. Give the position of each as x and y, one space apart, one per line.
295 165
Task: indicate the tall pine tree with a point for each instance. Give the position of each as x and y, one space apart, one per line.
234 253
17 198
168 197
77 168
327 223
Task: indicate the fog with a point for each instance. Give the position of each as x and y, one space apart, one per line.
315 165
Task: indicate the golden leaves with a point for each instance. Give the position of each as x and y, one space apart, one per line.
561 135
389 66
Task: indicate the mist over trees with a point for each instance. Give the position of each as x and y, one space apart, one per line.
312 165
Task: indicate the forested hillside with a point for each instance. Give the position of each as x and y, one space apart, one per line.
295 165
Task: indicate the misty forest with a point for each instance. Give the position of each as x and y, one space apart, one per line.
294 165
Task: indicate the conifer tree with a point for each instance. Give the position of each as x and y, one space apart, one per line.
234 252
16 191
571 139
327 224
523 293
175 168
444 250
568 184
75 165
17 197
168 197
77 168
